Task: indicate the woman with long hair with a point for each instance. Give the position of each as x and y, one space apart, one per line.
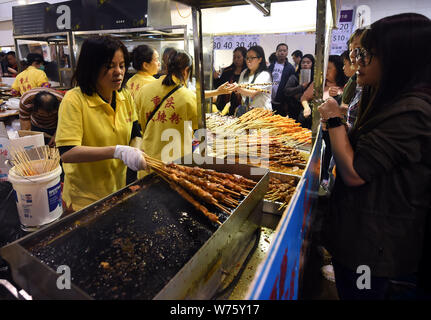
96 124
256 72
167 104
231 75
296 86
381 198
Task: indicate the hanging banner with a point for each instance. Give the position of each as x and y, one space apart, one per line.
341 35
231 42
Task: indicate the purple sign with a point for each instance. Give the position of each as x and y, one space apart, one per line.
346 15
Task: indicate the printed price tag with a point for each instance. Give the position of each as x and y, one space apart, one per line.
234 41
342 34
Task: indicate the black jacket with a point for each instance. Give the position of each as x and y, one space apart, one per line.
287 72
381 223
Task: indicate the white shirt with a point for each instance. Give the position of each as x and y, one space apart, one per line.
261 100
276 77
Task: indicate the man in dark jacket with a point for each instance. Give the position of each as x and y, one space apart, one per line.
281 70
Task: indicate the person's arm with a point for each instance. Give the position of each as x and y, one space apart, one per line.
341 148
25 124
292 88
88 154
263 77
12 70
225 88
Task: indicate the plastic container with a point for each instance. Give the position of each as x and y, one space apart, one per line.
38 198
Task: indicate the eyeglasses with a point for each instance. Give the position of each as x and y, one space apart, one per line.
363 57
251 58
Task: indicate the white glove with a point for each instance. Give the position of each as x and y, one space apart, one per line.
132 157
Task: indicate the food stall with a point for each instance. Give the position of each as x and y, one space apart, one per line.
146 241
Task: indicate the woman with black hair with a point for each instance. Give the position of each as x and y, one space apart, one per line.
167 103
145 60
256 72
168 108
381 198
96 123
231 75
32 77
295 87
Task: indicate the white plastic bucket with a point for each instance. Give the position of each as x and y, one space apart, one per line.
38 198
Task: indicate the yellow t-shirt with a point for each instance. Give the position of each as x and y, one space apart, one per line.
138 81
89 121
30 78
177 109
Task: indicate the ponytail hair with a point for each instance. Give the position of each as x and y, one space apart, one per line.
178 61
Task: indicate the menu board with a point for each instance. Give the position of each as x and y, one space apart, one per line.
230 42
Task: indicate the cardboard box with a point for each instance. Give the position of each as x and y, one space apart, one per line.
27 140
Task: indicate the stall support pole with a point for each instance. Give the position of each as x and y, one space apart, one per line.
200 93
319 65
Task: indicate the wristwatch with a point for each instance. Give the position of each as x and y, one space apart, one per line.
334 122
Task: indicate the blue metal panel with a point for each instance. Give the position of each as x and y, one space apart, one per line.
279 275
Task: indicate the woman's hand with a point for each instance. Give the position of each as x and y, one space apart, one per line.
226 88
132 157
334 91
330 109
307 112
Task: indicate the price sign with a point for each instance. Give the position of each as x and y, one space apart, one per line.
342 34
234 41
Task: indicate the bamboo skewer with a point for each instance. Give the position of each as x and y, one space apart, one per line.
188 181
47 160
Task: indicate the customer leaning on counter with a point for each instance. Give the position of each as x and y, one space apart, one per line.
146 61
97 123
32 77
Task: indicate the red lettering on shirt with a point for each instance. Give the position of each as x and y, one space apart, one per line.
170 103
26 79
161 116
28 86
175 118
156 100
21 80
131 86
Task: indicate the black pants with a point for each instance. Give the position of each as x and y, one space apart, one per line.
381 288
326 157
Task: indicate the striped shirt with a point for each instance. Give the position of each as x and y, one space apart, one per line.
38 119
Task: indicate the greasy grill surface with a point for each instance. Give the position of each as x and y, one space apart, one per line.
135 248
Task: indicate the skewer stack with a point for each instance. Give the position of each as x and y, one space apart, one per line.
35 161
252 86
279 191
221 190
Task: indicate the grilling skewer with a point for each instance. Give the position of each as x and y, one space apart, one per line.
190 199
207 185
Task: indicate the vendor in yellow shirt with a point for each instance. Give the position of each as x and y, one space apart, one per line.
32 77
96 123
146 61
167 110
